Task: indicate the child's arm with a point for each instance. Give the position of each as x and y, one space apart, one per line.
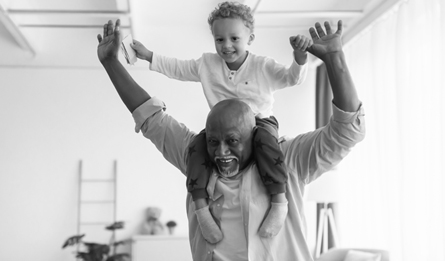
295 74
142 52
280 76
300 43
183 70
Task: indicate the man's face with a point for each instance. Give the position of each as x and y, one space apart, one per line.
231 39
229 143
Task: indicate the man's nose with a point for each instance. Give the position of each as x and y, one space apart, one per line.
222 149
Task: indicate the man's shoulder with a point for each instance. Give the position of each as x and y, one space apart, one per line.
283 139
289 144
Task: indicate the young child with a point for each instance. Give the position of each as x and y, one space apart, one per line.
234 72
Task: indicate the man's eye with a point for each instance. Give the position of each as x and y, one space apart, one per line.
232 141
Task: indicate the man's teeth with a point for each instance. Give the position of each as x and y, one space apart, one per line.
225 160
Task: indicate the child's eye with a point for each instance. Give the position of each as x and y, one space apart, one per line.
218 40
235 38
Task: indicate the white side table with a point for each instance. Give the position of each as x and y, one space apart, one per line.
162 247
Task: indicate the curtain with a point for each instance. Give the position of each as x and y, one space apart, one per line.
393 183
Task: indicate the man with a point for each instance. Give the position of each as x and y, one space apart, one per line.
237 197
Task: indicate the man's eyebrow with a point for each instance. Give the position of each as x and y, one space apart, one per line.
233 135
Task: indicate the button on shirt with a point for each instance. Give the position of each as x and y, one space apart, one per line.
241 206
254 82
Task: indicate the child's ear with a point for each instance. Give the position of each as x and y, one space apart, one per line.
251 38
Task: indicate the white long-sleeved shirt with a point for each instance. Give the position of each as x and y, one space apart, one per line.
307 156
254 82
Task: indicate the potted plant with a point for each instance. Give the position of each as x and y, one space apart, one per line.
171 226
99 252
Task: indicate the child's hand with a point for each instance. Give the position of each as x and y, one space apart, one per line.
300 43
141 52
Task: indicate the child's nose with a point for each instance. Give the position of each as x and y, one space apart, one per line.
227 44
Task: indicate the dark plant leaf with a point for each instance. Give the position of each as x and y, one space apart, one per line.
73 240
119 257
115 225
117 243
87 256
99 252
97 249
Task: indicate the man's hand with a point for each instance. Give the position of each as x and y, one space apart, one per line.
300 43
110 44
328 47
325 43
130 92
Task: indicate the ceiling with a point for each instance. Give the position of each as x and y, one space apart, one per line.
55 33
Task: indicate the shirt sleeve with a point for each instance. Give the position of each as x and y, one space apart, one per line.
183 70
282 76
313 153
169 136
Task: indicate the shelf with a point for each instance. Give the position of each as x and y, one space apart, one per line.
96 223
97 201
97 180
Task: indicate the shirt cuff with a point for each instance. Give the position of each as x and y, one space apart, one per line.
146 110
342 116
153 66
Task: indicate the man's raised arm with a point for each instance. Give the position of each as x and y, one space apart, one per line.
107 51
313 153
328 47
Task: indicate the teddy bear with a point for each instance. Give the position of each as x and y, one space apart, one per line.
152 225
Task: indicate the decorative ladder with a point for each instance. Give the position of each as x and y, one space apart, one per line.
92 185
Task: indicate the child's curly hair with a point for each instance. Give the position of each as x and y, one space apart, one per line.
233 10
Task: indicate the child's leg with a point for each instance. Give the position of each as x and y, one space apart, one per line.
269 159
199 169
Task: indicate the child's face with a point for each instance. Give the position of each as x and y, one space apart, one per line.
231 40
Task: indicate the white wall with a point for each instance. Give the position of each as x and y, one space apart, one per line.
53 117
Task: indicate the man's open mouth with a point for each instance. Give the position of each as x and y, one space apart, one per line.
225 161
227 166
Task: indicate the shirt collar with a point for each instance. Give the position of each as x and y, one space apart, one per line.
213 193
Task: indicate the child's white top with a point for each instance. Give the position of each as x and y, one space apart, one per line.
254 82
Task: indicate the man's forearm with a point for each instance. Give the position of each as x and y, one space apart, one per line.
343 89
130 92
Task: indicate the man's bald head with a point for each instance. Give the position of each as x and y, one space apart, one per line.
232 111
229 131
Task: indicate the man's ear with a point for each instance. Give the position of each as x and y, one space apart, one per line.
251 38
